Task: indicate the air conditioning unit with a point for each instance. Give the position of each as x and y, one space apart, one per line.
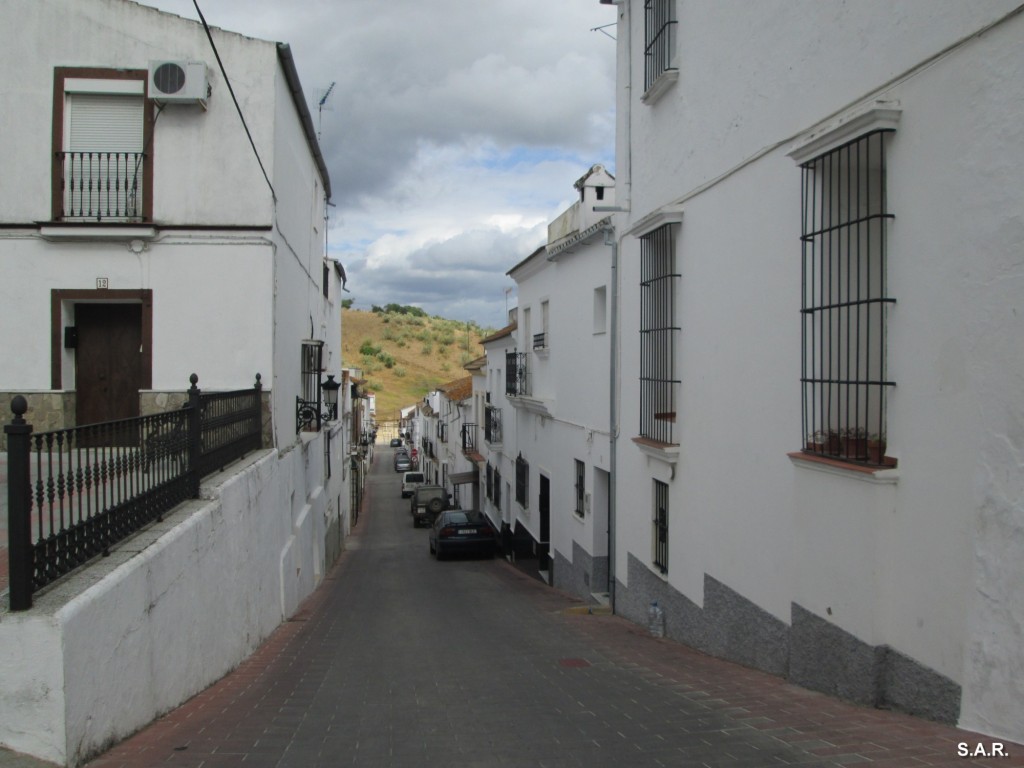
179 82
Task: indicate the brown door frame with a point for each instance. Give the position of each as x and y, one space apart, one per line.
109 296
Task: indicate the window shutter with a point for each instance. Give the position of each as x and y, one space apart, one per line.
105 123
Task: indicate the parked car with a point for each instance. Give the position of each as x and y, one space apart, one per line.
428 501
410 482
402 462
462 531
396 442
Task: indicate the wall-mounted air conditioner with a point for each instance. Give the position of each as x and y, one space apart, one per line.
179 82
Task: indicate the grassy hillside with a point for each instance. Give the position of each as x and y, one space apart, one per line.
404 356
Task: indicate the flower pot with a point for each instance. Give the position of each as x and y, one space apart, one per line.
834 446
876 451
856 447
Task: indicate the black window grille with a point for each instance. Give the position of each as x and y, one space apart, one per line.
308 405
661 526
659 38
657 335
517 377
492 424
581 478
497 489
845 301
326 281
522 481
490 481
442 432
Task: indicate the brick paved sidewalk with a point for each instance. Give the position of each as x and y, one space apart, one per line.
823 730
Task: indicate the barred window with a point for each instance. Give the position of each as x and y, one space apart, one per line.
308 406
522 482
581 478
659 38
845 300
497 489
657 335
490 481
660 525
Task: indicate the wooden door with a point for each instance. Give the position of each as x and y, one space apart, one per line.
108 361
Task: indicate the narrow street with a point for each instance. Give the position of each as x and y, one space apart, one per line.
399 660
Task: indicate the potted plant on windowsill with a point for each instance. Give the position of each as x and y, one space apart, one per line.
876 448
855 443
816 441
834 444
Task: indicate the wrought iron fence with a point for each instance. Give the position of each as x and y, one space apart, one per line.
492 424
101 185
73 493
517 377
468 437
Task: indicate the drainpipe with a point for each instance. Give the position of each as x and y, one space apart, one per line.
613 412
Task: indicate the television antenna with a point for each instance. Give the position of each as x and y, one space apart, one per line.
320 108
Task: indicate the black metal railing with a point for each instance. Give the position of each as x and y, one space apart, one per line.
73 493
660 526
844 375
659 39
101 185
540 340
658 333
492 424
517 376
468 438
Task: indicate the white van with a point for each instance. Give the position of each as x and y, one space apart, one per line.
410 482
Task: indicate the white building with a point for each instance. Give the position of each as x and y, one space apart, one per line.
821 233
557 383
142 240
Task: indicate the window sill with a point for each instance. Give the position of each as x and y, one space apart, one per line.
658 88
887 474
542 352
665 452
97 231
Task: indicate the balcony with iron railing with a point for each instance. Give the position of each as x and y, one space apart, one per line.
517 376
492 425
469 438
101 186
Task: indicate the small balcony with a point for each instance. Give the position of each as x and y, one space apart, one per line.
492 425
101 186
517 376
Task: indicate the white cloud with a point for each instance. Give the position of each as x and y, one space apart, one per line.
453 134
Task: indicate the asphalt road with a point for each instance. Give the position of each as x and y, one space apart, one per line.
400 660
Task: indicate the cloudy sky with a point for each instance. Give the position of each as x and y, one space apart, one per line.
453 134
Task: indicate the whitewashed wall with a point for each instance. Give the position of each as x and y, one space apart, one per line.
921 560
169 612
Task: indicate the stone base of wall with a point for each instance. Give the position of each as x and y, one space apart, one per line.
584 576
811 651
53 409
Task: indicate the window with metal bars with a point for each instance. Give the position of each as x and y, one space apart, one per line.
660 526
308 406
497 489
522 482
658 279
581 479
659 38
845 301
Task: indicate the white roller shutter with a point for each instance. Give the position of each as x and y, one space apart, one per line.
104 123
107 182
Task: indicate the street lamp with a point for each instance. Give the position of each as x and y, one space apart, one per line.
324 408
330 388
